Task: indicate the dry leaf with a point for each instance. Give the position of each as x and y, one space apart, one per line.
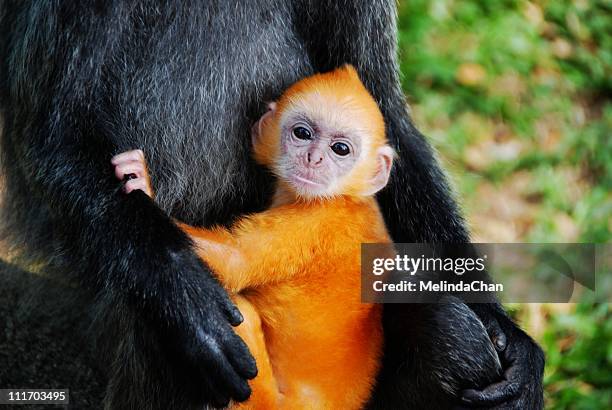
490 230
566 227
566 343
470 74
546 76
533 13
548 134
507 150
477 158
562 48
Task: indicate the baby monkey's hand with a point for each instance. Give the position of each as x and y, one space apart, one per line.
131 167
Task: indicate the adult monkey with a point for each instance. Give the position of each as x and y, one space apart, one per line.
80 81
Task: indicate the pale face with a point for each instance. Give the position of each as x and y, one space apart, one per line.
315 155
320 145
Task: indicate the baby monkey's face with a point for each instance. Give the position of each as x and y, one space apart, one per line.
317 150
315 156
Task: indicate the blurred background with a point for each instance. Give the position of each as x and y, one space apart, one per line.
514 96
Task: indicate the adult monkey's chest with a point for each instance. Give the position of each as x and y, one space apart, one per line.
186 82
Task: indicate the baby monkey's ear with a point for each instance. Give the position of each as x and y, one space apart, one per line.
384 162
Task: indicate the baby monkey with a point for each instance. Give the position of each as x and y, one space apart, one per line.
294 269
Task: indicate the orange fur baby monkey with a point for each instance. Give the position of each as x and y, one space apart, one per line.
294 269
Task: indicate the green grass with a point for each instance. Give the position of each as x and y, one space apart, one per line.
514 95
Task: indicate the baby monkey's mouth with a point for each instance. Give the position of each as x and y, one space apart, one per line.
303 180
308 183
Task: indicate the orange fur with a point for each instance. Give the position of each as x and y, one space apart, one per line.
294 269
298 266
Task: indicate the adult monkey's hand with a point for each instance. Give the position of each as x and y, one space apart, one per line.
216 360
197 333
523 361
188 310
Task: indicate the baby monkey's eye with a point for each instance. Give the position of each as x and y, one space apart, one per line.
302 133
341 149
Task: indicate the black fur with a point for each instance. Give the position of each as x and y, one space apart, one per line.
81 81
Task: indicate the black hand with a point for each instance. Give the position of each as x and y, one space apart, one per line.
523 360
495 331
183 304
199 335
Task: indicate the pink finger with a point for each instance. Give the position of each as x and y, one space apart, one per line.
129 168
133 155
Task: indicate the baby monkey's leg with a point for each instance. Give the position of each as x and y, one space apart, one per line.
131 167
265 394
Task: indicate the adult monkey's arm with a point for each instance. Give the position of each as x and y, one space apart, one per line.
417 204
121 250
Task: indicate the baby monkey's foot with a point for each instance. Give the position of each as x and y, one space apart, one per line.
131 167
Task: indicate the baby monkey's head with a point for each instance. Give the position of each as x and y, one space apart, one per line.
325 137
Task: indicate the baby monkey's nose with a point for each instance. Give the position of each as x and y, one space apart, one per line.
315 157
